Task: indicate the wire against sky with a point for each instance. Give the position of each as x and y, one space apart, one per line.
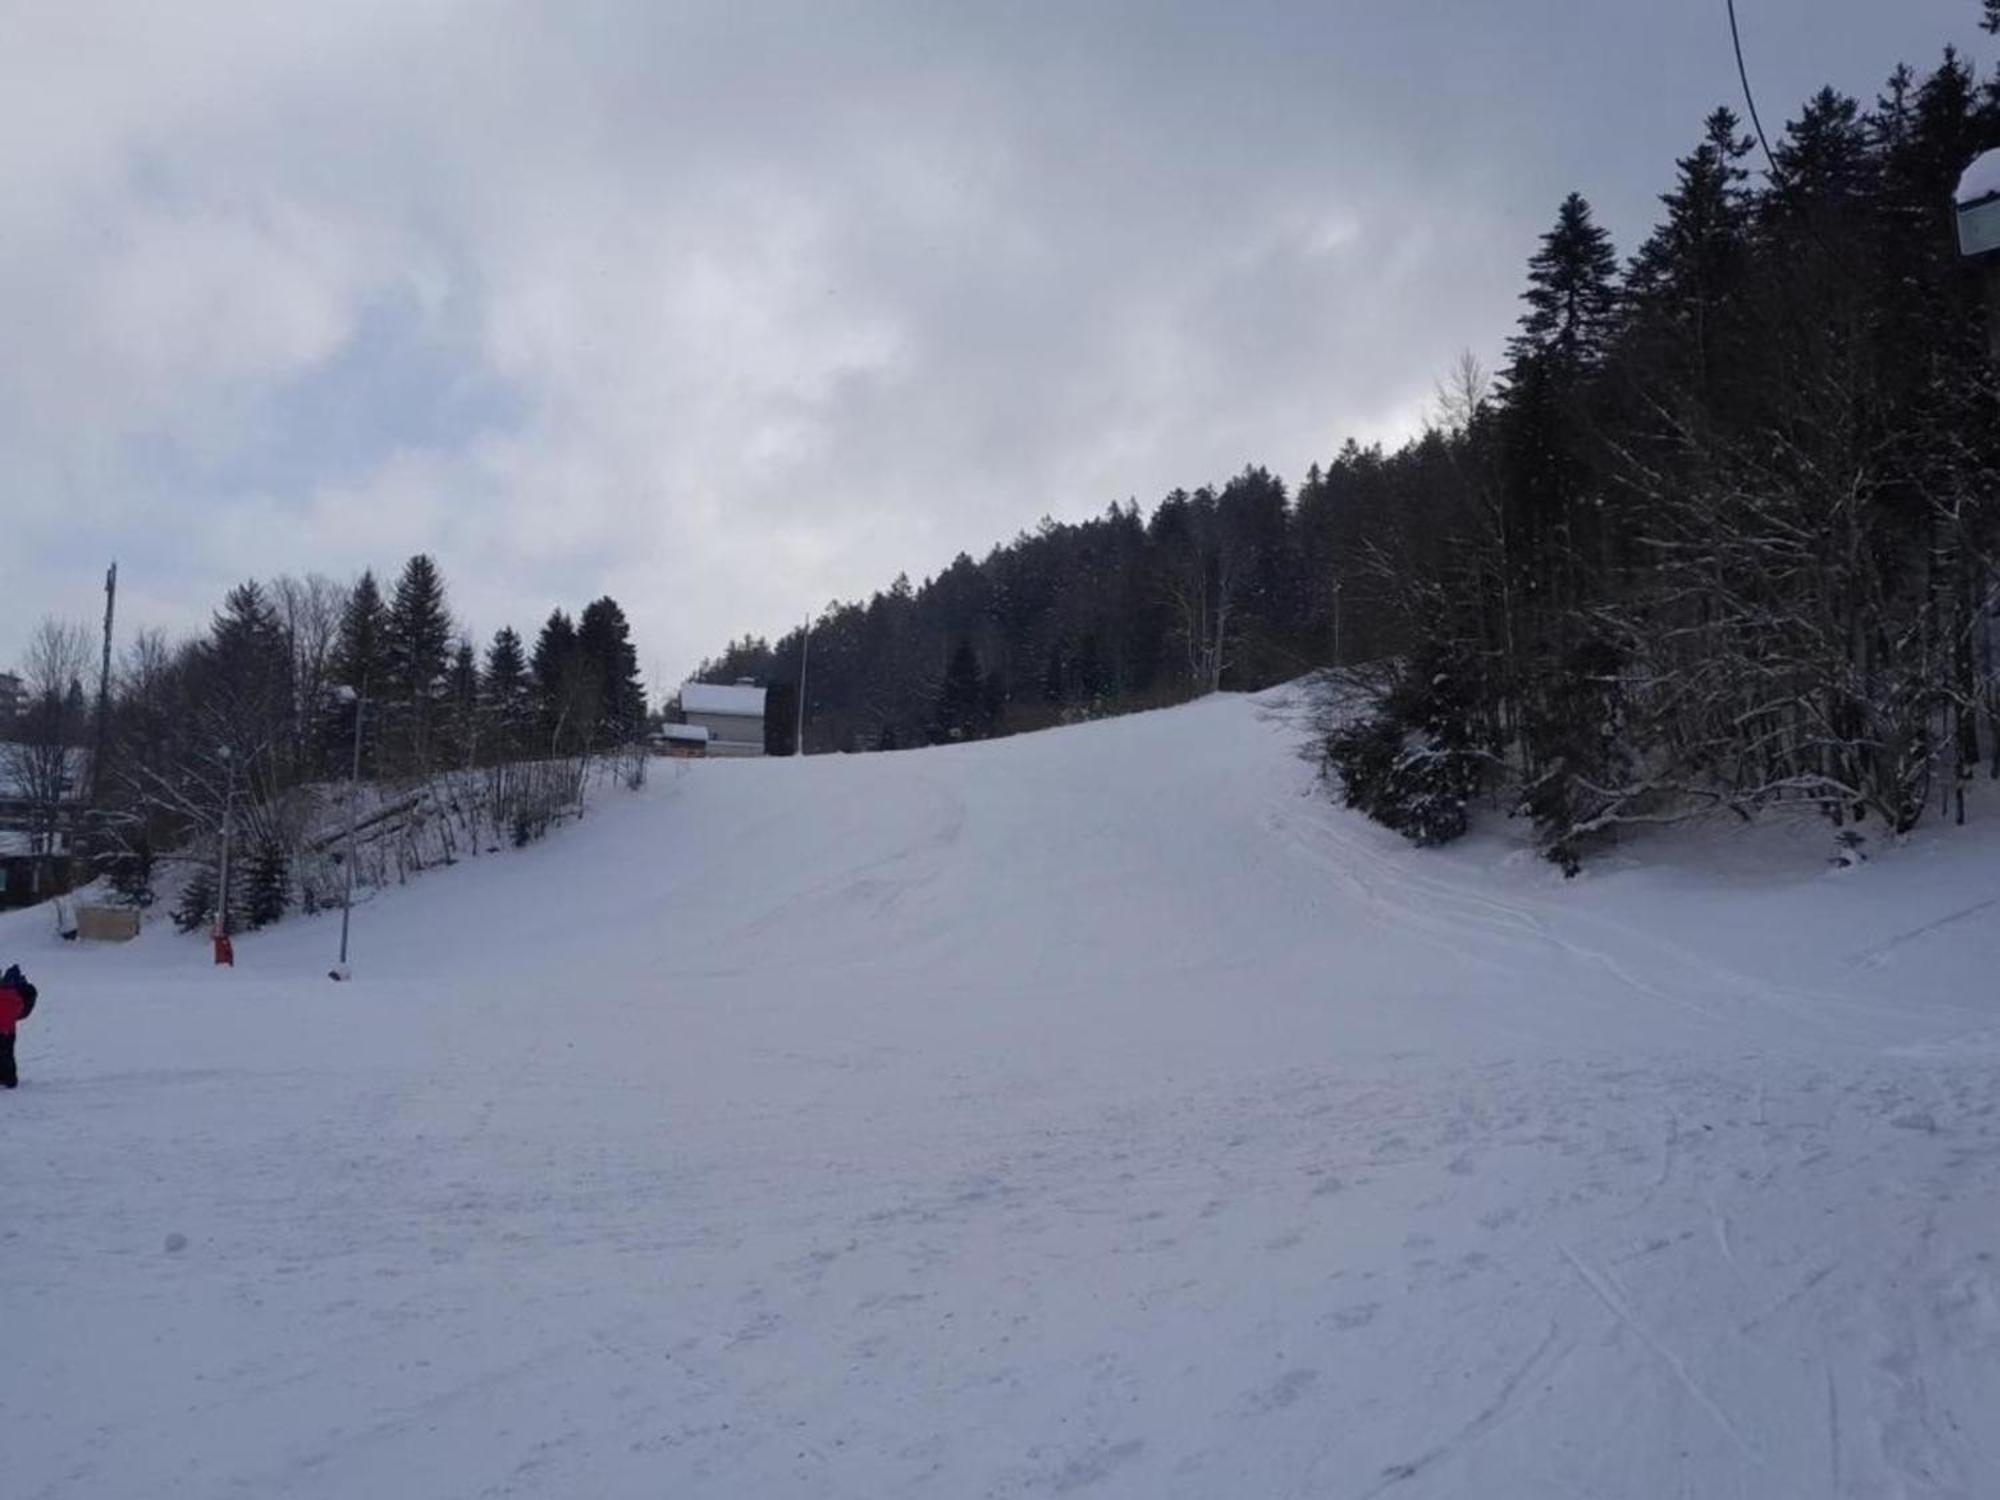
1750 99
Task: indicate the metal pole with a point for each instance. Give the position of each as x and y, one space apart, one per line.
805 646
353 797
228 820
103 690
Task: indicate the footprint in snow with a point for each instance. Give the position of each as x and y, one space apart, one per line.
1094 1466
1284 1391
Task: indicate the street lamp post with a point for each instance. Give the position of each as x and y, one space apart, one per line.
349 695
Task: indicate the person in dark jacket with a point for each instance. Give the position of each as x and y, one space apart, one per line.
17 1003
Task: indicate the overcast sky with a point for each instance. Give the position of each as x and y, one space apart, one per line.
729 309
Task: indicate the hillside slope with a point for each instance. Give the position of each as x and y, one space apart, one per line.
1094 1112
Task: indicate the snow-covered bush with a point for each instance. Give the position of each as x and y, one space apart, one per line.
1415 763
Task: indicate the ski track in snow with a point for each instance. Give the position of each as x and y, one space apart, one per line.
1095 1113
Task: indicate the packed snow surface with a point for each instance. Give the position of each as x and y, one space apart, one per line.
1098 1113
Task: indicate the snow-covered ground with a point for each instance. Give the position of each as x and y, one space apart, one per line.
1097 1112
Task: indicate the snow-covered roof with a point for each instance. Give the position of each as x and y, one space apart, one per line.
695 734
718 698
1981 180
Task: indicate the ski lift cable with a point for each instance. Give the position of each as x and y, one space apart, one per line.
1750 99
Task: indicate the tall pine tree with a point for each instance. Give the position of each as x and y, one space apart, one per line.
415 648
506 694
604 645
564 700
358 660
1685 276
360 665
245 667
463 705
1572 296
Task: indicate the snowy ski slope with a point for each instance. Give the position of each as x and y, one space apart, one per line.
1091 1113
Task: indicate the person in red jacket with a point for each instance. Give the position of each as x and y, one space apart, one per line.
17 1003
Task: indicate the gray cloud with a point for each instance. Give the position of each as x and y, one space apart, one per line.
730 309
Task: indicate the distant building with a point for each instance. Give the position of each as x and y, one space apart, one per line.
10 700
29 872
733 715
682 741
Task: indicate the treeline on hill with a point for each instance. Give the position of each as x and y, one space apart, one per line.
1720 535
1069 622
251 728
1724 537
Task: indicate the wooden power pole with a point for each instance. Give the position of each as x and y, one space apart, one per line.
103 692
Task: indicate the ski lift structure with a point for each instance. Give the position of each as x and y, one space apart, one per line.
1978 203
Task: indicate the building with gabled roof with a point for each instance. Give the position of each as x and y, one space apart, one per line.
732 713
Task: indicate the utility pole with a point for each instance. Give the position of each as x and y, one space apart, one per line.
103 691
805 645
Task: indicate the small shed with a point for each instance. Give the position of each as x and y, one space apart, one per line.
683 741
107 924
732 713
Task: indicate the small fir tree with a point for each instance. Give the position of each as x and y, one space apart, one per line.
267 885
196 907
505 694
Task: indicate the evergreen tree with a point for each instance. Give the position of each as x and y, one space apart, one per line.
1572 297
359 664
604 645
196 907
1824 173
961 705
781 718
506 694
358 660
241 675
463 697
1553 533
565 697
1685 276
266 887
129 869
414 652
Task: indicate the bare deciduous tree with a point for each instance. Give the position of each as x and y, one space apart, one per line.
310 609
43 767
